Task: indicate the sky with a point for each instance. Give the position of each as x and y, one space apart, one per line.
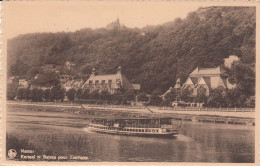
69 16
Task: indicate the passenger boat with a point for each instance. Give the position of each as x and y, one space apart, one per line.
153 127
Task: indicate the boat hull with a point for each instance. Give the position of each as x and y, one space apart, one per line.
139 134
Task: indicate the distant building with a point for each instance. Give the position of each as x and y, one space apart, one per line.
65 78
137 87
112 83
23 83
228 61
77 84
67 85
168 91
13 80
70 65
177 89
204 79
115 25
40 87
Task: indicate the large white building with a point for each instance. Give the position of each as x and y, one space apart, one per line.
204 79
112 83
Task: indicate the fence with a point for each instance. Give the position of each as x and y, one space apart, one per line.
143 107
208 109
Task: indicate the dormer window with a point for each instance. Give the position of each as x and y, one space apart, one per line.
109 82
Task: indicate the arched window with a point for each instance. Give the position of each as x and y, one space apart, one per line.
202 90
190 89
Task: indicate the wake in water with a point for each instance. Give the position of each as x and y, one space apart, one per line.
87 130
184 138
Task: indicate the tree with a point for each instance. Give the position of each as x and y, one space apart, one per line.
186 95
155 97
57 93
23 93
104 95
129 95
11 91
169 98
216 98
201 96
36 95
71 94
86 94
94 95
243 75
47 94
19 68
20 92
142 97
78 94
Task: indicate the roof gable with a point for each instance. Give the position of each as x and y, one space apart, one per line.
189 81
208 71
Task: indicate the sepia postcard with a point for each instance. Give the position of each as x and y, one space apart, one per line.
146 82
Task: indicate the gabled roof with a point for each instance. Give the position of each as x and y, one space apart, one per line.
178 84
137 86
189 81
194 80
114 79
207 71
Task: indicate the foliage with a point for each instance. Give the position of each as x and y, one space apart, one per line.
46 79
71 94
11 91
57 94
142 97
153 56
36 95
186 95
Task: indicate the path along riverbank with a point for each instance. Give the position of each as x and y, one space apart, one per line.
228 116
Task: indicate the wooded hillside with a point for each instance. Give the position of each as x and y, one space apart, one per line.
154 56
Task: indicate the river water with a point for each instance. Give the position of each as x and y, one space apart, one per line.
67 134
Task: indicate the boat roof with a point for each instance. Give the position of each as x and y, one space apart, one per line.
130 118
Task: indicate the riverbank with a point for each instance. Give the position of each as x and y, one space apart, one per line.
244 118
65 134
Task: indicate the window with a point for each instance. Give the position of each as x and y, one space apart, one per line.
103 82
202 90
109 82
90 81
97 81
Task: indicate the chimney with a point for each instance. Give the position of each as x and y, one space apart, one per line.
93 72
119 69
178 84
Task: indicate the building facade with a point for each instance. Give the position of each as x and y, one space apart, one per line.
112 83
202 80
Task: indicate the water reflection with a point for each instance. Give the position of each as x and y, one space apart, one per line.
197 142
